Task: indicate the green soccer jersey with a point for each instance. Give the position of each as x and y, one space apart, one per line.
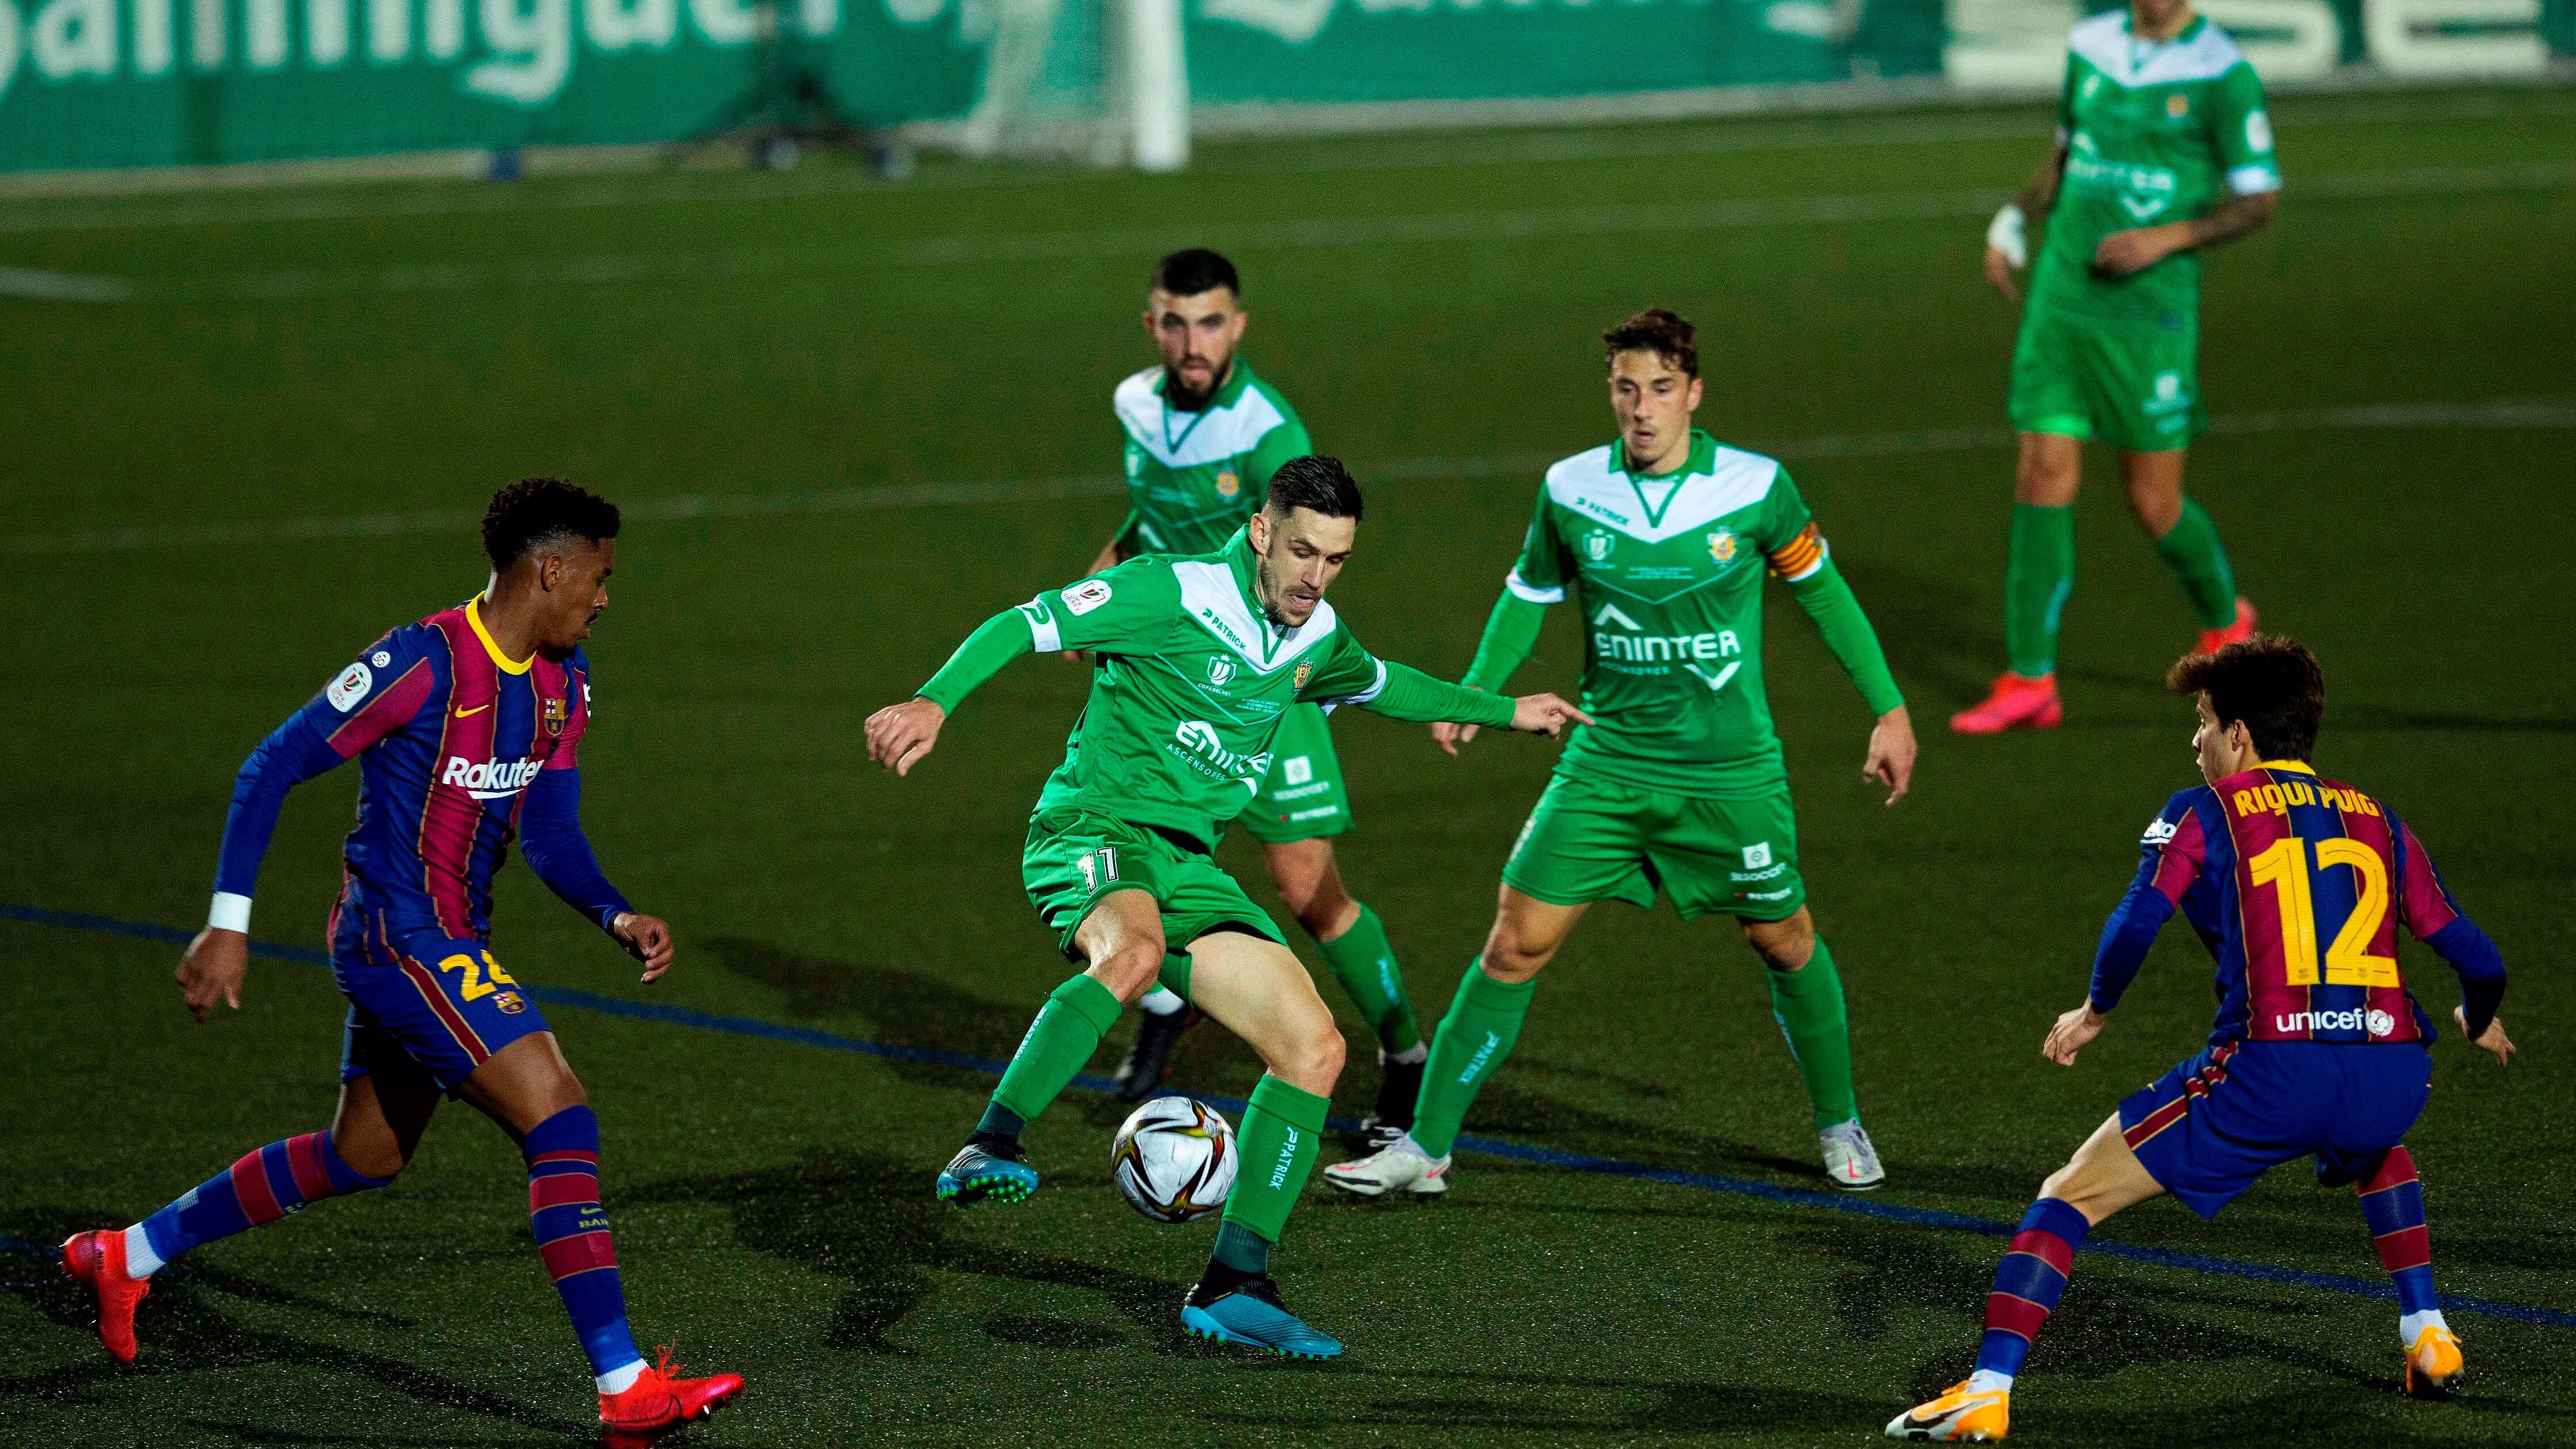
1668 574
2154 132
1194 477
1190 681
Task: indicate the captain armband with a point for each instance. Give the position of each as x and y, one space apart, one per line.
1797 560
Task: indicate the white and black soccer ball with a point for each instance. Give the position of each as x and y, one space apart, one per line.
1174 1160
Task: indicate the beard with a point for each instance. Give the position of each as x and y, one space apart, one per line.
1180 395
1268 591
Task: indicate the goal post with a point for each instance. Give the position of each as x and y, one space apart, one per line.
1100 81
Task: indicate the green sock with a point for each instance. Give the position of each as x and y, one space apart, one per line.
2199 563
1059 1043
1474 1038
2039 572
1808 1003
1241 1249
1282 1129
1365 965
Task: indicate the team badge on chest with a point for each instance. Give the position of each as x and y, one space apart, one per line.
1227 484
554 712
1305 671
1721 546
1597 544
1220 669
2177 106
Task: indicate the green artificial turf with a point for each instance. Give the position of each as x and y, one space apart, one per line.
183 571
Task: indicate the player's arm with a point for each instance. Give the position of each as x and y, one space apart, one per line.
1805 563
1128 606
2428 910
360 706
555 847
1537 580
2241 133
1400 691
2171 859
2008 236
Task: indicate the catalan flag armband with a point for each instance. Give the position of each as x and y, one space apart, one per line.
1797 560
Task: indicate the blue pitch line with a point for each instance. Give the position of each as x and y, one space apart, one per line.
1489 1146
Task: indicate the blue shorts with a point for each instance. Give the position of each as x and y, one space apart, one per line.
425 1009
2208 1128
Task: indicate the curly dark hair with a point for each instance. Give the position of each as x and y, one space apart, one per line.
1186 274
1316 482
535 512
2270 682
1657 330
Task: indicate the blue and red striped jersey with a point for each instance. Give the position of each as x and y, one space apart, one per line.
459 748
2298 885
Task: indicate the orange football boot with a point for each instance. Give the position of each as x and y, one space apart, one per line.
2434 1364
2016 700
659 1398
2213 640
1957 1416
98 1259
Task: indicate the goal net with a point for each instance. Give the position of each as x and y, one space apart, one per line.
1102 81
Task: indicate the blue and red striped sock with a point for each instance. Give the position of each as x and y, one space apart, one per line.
260 1188
2392 1203
572 1233
2027 1283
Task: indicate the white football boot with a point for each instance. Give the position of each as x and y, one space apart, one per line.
1399 1166
1850 1162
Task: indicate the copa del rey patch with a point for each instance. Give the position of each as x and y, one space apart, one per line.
350 687
1086 596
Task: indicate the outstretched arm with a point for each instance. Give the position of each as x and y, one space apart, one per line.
1400 691
1511 632
900 735
2172 855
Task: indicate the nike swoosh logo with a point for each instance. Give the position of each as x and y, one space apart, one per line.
478 709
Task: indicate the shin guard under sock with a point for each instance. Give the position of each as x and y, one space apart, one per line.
2039 574
1808 1004
2028 1282
1364 963
1475 1038
2199 562
2392 1203
260 1188
1283 1128
1059 1044
572 1235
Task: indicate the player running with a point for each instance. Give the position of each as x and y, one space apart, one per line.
1204 434
1197 661
2298 884
466 728
1664 536
2163 149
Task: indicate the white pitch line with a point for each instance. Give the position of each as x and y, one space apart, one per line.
62 286
2536 413
659 268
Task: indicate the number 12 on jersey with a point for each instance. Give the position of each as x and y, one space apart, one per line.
2288 868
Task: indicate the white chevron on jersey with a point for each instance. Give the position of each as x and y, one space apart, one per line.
1208 437
1586 484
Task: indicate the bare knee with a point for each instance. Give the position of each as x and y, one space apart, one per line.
2153 485
1310 886
2049 470
1511 957
1783 945
370 1150
1131 970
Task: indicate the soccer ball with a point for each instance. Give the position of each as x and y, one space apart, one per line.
1174 1160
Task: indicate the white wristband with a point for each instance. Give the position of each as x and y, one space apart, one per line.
2007 233
229 913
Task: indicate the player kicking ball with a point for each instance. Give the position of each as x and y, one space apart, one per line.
2163 150
1203 435
2299 885
1197 662
466 728
1664 536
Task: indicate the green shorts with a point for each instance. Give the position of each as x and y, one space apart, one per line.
1590 840
1303 797
1072 860
2134 385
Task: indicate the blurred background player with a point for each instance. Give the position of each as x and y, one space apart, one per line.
1204 434
1664 536
466 728
2299 885
2163 148
1195 660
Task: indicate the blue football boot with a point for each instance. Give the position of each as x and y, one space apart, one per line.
1249 1314
987 1169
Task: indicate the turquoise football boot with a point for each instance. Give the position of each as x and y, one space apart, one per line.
1249 1313
989 1171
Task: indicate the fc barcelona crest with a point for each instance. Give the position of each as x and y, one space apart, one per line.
1305 671
554 712
1227 484
1721 546
1597 544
